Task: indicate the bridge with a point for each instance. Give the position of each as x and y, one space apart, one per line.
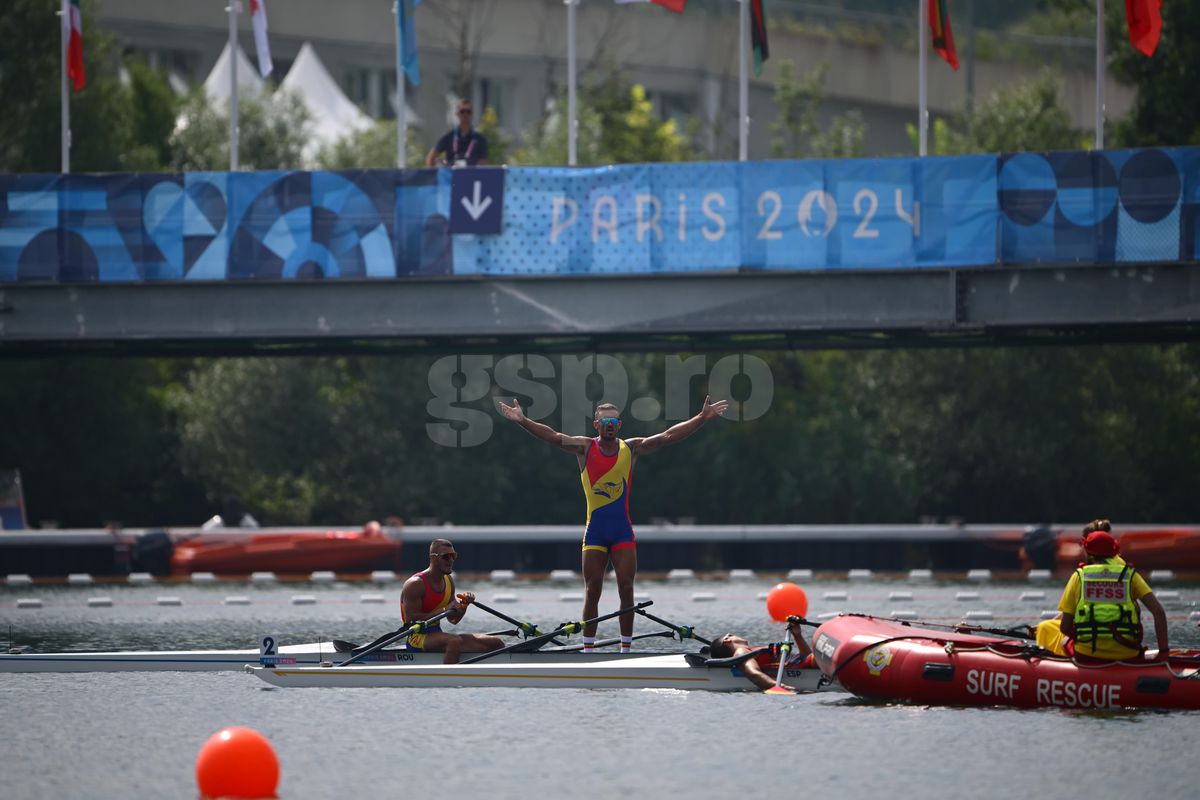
1098 246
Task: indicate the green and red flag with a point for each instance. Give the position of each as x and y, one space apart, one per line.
72 21
758 33
939 27
1144 18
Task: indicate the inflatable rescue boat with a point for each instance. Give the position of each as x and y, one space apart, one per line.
892 660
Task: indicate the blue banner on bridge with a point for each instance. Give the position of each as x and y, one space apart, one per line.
971 211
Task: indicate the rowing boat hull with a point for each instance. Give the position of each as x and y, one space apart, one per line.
886 660
620 672
299 655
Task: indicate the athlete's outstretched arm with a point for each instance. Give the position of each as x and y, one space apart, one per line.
679 431
572 444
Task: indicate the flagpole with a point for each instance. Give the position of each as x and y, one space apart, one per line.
923 76
1100 74
743 82
65 36
572 123
233 86
401 93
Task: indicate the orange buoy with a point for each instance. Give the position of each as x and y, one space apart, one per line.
786 600
237 762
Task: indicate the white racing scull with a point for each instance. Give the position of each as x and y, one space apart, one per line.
665 671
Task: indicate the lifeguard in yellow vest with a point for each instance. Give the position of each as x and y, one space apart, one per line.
606 472
1099 605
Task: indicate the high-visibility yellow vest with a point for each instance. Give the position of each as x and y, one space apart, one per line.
1106 609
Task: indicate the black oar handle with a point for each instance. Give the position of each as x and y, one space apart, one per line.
407 630
684 631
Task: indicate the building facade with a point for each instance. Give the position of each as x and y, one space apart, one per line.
512 56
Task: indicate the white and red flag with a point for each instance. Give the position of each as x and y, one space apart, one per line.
258 18
72 20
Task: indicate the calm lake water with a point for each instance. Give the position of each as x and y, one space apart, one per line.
136 735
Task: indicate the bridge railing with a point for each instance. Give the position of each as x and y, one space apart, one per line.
982 211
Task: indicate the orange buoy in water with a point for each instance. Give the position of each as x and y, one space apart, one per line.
237 762
786 600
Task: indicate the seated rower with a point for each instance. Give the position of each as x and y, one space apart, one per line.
429 592
731 645
1099 605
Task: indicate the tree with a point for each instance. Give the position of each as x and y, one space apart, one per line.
272 133
373 148
1026 117
95 442
616 125
464 24
1165 113
108 120
796 132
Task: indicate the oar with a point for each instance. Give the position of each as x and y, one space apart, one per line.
527 629
406 631
785 650
565 629
684 631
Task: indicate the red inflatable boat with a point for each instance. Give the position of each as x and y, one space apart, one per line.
891 660
239 553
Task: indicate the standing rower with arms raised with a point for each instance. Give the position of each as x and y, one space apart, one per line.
431 591
606 472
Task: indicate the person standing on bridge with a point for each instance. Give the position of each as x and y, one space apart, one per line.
429 592
1100 605
462 146
606 471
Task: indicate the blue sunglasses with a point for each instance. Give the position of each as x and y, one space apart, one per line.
610 421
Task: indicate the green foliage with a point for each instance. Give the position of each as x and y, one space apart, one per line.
373 148
499 144
616 125
1165 113
94 442
114 127
1025 117
796 132
272 133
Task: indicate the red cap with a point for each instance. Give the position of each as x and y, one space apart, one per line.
1100 543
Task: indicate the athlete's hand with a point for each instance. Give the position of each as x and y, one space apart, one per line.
710 410
465 599
513 412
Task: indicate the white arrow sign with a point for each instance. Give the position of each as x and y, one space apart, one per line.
475 207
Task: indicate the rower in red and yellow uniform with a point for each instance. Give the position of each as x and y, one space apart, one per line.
731 645
428 593
606 472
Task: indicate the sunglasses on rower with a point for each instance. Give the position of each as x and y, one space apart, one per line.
610 421
449 556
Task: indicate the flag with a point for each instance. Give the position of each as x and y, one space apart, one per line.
943 37
72 20
258 18
674 5
1145 24
408 40
758 33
